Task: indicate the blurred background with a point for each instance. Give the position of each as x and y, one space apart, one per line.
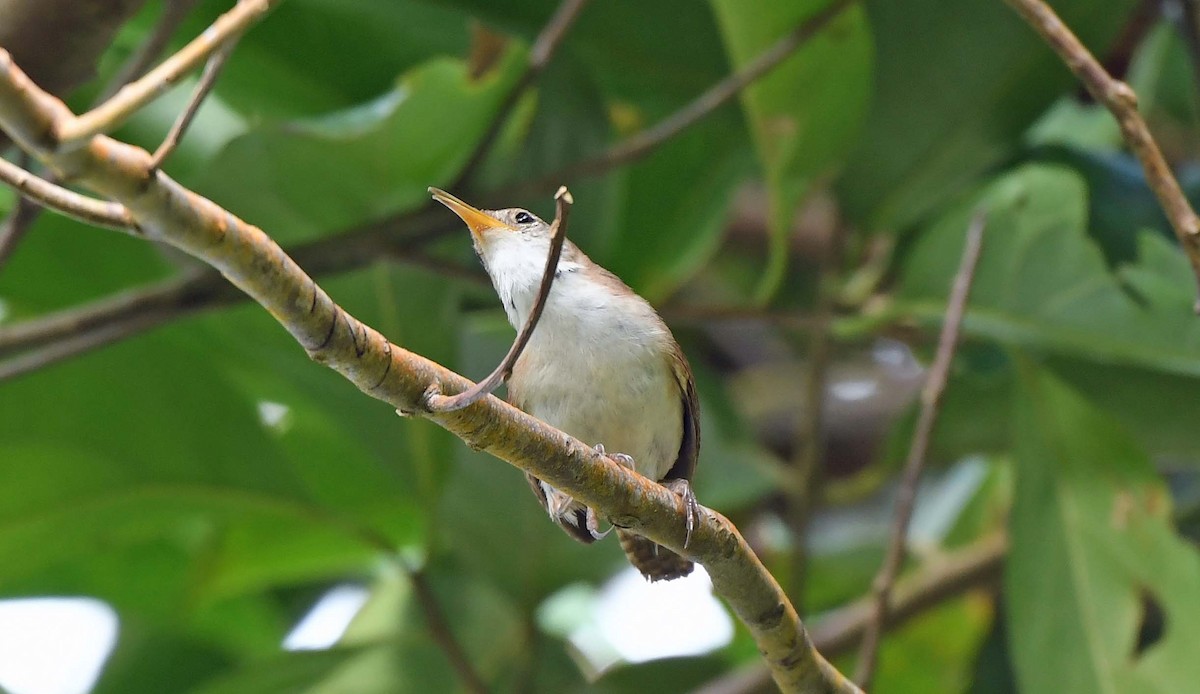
188 504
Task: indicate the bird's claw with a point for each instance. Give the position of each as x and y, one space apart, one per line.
691 507
621 458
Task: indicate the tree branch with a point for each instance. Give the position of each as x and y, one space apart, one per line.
136 94
837 632
931 400
170 213
173 14
1120 100
212 70
109 215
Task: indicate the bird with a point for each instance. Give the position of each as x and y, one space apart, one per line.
600 365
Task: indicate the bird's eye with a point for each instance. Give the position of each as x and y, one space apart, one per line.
524 217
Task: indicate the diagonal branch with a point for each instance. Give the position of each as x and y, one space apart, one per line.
170 213
173 14
931 400
437 402
133 96
1120 100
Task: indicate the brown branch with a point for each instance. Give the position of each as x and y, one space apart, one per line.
434 400
1120 100
837 632
170 213
544 47
931 400
718 95
88 210
212 70
136 94
443 635
173 14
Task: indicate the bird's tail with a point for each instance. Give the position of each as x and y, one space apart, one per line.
656 562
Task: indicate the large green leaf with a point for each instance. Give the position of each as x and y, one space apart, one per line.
375 159
1093 555
806 113
1042 283
955 85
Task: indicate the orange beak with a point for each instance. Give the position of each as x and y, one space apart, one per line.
477 220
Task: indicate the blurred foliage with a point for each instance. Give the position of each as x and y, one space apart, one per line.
210 482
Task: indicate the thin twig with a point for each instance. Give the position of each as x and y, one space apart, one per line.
718 95
109 215
1120 100
544 47
837 632
173 14
435 401
212 70
810 431
931 400
443 636
133 96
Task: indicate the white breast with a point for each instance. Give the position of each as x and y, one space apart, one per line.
597 365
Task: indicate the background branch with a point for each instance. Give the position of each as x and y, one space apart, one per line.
168 212
1120 100
931 400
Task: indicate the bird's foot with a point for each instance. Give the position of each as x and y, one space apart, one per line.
691 507
621 458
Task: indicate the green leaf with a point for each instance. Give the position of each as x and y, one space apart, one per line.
955 85
1092 551
1043 284
282 67
302 178
806 113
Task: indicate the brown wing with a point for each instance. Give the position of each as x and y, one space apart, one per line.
689 447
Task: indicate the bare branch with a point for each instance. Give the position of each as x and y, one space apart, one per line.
168 212
109 215
931 400
212 70
437 402
137 94
173 14
1120 100
544 48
